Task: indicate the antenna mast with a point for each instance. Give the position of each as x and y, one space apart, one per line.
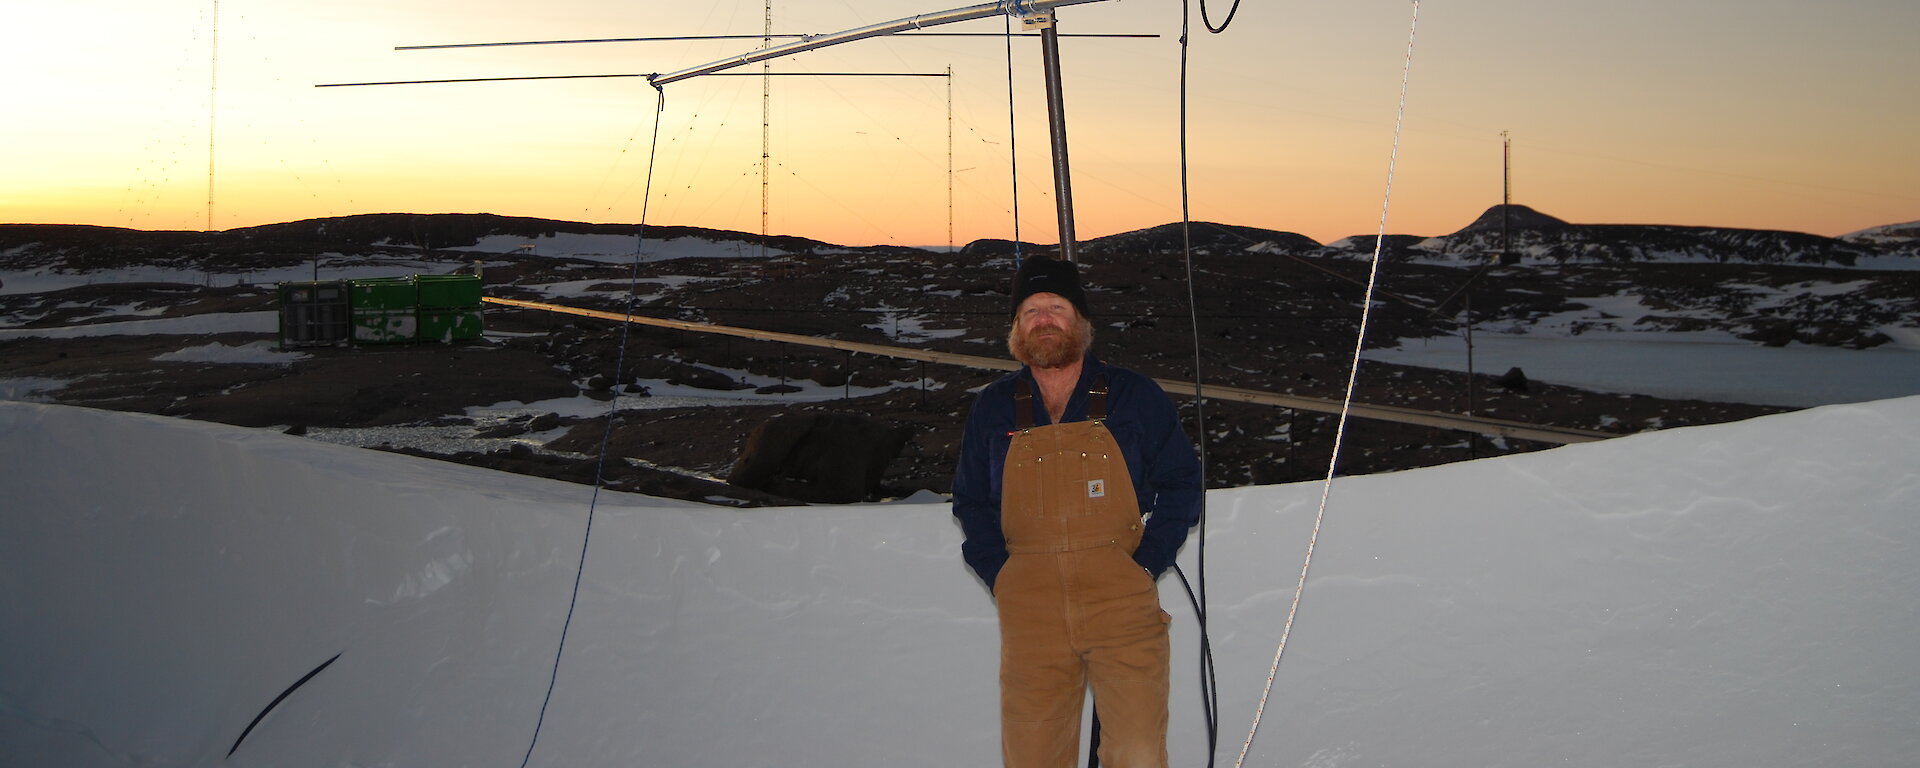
213 108
1506 195
949 158
1057 128
766 130
1033 13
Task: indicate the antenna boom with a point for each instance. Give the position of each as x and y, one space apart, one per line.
969 13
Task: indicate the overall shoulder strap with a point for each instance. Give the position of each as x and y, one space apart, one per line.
1097 398
1022 403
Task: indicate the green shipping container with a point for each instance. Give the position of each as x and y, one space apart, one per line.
378 326
445 325
449 291
386 294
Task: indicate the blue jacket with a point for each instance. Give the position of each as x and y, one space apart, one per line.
1165 471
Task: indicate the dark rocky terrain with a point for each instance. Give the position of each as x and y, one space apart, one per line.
1275 312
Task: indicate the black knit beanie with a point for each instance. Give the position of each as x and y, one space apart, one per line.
1039 274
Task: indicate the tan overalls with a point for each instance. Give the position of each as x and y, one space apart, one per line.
1074 607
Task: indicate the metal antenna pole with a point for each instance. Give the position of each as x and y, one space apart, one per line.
909 24
1033 13
1506 194
949 158
766 131
1057 129
213 108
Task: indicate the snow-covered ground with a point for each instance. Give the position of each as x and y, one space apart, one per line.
617 249
1705 366
328 267
611 249
251 353
1598 347
190 325
457 438
1733 595
1720 596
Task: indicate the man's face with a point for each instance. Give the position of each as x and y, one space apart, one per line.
1048 332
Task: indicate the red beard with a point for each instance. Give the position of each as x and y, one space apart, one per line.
1050 347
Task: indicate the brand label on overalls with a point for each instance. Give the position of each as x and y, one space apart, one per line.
1096 489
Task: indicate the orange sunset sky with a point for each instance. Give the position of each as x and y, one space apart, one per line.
1769 114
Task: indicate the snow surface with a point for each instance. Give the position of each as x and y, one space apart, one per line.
1705 366
1887 233
256 353
1442 250
331 266
189 325
1597 347
904 326
29 389
1733 595
616 249
660 284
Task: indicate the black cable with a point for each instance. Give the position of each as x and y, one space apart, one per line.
600 467
1209 681
1209 691
1209 22
1013 139
1484 269
280 698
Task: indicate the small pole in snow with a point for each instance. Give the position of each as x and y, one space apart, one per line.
1473 438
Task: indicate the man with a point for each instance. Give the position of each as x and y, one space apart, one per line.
1075 490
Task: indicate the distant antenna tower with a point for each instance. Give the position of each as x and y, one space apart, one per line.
766 131
1506 168
1506 197
213 110
949 158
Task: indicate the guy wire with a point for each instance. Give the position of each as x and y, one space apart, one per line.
1353 375
613 415
1209 685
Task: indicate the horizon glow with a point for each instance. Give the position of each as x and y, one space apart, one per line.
1762 116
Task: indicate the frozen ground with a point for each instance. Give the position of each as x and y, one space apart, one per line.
1679 366
1708 366
190 325
327 267
618 249
1599 348
1734 595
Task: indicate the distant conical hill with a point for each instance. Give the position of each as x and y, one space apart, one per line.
1513 217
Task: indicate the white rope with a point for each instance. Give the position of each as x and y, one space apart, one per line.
1353 374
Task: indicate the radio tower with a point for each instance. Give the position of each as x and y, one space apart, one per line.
766 130
213 107
1506 196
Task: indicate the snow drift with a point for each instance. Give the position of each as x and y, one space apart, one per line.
1733 595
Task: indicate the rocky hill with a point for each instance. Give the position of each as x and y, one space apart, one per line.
1893 239
76 248
1529 236
1276 312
